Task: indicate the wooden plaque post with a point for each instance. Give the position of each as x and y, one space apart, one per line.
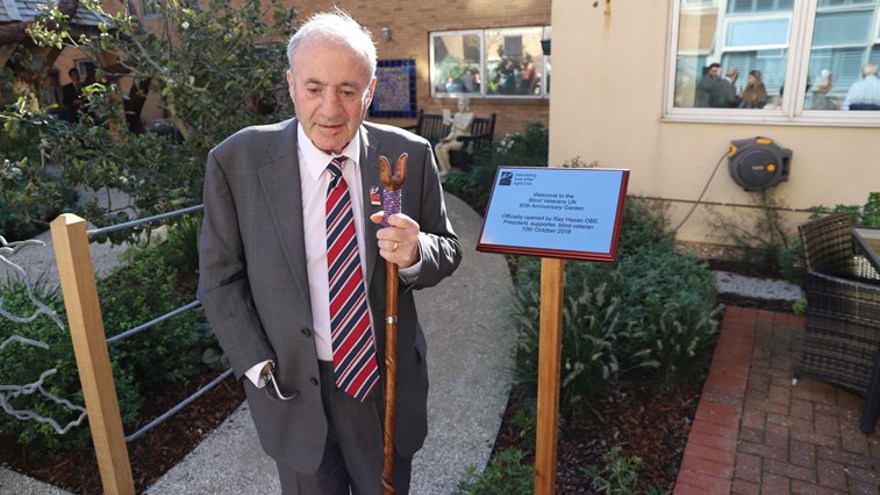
549 357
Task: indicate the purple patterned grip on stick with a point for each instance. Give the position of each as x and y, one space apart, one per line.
390 203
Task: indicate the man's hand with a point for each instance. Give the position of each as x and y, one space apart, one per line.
399 242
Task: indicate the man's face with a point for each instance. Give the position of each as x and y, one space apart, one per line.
715 71
331 89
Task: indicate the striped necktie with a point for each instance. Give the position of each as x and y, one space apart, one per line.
354 354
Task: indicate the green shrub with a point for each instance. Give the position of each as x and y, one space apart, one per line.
30 196
619 475
219 50
143 288
759 234
508 473
792 265
182 245
592 336
871 211
867 215
22 364
143 365
653 309
645 225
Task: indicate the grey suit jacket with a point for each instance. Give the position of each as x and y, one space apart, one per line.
253 280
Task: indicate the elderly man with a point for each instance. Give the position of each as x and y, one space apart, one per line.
864 94
292 269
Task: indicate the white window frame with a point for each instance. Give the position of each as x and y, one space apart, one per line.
545 64
792 111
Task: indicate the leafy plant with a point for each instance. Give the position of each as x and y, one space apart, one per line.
205 347
760 238
867 215
215 73
653 309
508 473
182 244
137 291
791 261
799 307
618 475
591 338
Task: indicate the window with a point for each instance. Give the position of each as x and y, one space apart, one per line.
456 60
507 62
774 61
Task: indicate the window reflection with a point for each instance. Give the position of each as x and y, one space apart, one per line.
846 40
732 54
498 62
457 63
514 61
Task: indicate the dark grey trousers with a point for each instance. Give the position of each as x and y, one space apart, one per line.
353 458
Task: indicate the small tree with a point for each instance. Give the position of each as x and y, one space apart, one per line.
214 69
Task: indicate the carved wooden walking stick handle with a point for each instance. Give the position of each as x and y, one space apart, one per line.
391 203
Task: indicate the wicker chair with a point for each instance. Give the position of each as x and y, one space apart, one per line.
842 333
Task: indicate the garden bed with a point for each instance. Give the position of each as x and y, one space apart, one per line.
152 455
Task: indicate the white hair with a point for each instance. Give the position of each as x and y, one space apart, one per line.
335 26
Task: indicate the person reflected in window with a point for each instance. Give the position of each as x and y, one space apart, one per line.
755 94
51 94
528 76
821 100
460 125
469 80
864 94
728 97
709 89
72 96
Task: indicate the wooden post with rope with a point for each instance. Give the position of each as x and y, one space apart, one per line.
391 203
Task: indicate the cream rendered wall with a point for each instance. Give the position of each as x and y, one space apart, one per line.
608 87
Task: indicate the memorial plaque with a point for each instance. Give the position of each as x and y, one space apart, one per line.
570 213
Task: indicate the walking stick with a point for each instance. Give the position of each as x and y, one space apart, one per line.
391 203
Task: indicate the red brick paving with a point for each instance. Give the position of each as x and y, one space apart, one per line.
755 433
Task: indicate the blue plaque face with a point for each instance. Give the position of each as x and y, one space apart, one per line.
555 212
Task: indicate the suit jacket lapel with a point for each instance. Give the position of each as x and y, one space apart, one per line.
369 178
280 181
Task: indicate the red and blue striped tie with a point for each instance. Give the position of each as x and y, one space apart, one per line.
354 354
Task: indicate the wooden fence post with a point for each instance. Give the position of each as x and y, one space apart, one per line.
549 355
90 346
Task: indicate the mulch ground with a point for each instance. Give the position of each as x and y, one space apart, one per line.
644 420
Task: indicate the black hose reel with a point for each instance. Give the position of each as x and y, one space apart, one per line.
758 163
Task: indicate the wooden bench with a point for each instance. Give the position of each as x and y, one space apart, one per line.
431 127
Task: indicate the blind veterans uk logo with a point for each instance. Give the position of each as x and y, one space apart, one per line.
506 179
